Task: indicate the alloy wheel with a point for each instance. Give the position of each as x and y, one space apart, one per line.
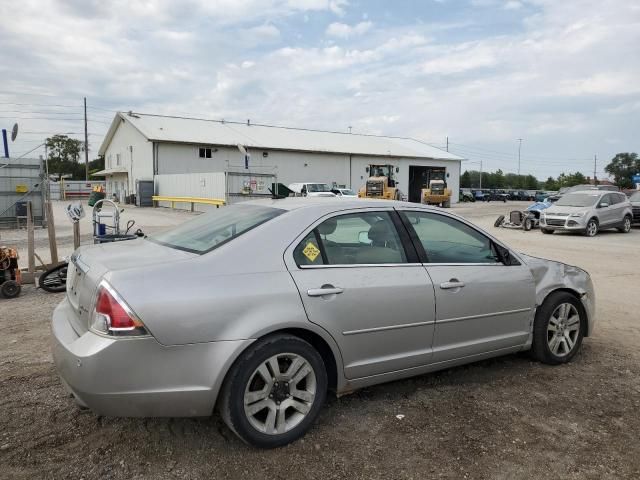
280 393
563 329
627 225
592 228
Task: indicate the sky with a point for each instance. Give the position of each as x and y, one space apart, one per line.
563 76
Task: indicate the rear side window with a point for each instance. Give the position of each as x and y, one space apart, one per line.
211 230
365 238
447 240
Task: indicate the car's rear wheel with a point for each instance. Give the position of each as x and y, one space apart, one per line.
592 228
626 225
558 329
274 391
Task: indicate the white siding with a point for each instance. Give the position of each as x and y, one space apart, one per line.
136 155
205 185
290 167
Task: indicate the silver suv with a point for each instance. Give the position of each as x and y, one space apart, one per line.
588 212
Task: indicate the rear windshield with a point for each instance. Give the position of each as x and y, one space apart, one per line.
579 199
210 230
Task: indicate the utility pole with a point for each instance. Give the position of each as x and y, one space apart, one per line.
86 144
480 174
519 148
595 168
447 143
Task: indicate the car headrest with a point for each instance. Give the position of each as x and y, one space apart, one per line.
380 232
328 226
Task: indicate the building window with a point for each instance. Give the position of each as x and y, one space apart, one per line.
204 152
118 159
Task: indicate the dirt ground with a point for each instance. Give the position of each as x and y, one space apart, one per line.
504 418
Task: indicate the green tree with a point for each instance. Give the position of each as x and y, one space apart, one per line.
551 184
465 180
623 166
63 155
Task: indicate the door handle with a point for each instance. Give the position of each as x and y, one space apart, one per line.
453 283
328 290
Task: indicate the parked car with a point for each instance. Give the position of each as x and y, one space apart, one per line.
541 195
634 198
479 195
466 196
496 196
564 190
519 195
311 189
588 212
344 192
280 301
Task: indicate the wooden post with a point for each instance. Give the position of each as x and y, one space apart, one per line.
51 229
76 235
30 240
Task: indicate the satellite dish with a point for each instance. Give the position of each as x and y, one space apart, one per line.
14 132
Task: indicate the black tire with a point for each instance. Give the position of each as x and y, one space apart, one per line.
10 289
546 231
528 224
498 221
626 225
54 280
590 231
504 200
540 348
231 404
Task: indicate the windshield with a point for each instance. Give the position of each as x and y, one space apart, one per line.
578 199
318 187
346 191
210 230
635 197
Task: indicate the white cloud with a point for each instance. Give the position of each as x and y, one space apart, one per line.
513 5
342 30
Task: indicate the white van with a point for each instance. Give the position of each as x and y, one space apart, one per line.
311 189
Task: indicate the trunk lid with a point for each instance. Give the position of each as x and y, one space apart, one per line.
89 264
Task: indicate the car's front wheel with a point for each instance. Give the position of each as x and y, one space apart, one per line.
592 228
274 391
558 329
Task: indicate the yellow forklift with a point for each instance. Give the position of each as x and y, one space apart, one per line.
437 194
380 184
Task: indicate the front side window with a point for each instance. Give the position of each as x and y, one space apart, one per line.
318 188
363 238
447 240
210 230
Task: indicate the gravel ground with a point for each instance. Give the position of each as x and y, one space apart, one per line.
504 418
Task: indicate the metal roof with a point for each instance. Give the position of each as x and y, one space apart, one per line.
160 128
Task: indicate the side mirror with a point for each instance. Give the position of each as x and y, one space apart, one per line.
603 205
363 237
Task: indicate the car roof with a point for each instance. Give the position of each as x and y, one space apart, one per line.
295 203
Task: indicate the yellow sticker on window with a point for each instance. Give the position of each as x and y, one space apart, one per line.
311 251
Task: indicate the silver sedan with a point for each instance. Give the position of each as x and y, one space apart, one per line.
258 309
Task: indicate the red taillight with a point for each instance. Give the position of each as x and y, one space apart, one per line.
111 316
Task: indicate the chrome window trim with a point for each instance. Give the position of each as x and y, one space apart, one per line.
359 265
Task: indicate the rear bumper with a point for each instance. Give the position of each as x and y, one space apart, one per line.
139 377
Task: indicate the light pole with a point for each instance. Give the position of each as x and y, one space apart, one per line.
519 148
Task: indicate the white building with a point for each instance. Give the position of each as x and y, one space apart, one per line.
205 158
